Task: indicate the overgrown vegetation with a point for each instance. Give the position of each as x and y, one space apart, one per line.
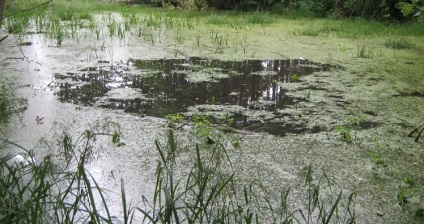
399 43
42 190
401 10
60 189
211 192
62 20
349 131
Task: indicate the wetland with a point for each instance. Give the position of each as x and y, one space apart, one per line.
259 99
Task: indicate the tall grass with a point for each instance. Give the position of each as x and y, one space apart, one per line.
261 18
37 190
41 191
210 193
354 29
398 43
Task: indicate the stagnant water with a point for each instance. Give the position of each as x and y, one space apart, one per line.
169 86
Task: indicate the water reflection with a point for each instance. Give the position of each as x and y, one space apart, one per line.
172 85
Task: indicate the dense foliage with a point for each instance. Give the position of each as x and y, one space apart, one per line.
397 10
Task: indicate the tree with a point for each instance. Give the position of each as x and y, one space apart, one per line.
2 5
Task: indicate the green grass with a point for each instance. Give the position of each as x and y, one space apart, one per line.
378 157
217 20
346 134
261 18
210 193
349 131
42 191
354 29
162 19
309 29
398 43
15 26
364 52
49 191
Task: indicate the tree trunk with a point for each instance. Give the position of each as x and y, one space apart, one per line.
2 5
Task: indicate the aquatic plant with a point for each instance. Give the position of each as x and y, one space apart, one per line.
56 188
9 104
342 48
354 124
364 52
16 25
244 44
263 19
308 30
210 193
398 43
42 192
60 36
65 14
217 20
46 191
121 33
198 37
112 26
405 196
379 160
308 94
116 139
219 40
346 133
174 119
203 127
294 78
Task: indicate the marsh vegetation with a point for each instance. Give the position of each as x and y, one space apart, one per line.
115 112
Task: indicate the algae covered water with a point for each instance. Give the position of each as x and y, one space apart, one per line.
342 112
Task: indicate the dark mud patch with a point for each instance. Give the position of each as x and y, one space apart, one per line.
368 125
25 44
169 86
369 112
275 126
409 94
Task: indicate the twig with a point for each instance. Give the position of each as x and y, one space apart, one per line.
416 129
14 58
25 10
3 38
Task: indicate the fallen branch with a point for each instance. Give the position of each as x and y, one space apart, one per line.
26 10
3 38
416 129
14 58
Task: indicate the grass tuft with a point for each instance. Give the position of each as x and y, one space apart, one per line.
399 43
364 52
211 194
263 19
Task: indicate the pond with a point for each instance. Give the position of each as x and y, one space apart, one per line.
171 86
285 111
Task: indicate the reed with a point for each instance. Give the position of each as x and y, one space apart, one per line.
211 193
41 191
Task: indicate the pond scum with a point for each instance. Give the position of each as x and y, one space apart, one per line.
61 190
49 192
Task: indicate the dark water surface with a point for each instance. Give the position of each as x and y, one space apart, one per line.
169 86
